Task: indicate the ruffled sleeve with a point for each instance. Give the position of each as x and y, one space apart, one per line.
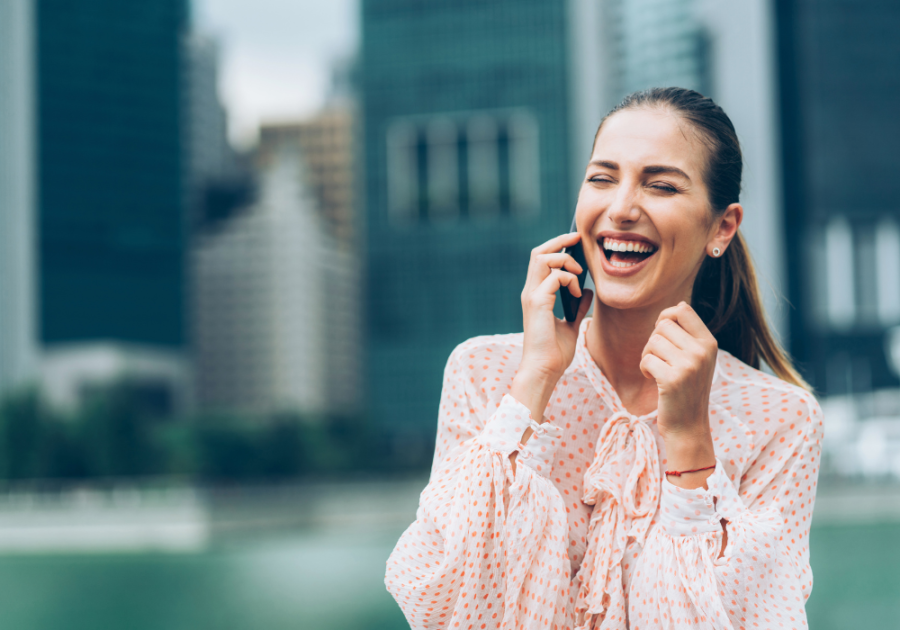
488 547
763 579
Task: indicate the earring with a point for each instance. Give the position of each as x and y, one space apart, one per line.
716 251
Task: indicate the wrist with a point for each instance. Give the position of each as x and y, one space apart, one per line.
533 388
690 452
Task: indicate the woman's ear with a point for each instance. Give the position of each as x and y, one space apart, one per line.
727 226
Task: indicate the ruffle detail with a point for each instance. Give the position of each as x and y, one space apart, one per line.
623 485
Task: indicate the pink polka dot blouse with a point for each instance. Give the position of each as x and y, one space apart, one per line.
588 533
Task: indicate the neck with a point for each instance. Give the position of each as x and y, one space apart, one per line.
616 340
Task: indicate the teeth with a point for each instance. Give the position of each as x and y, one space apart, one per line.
615 263
627 246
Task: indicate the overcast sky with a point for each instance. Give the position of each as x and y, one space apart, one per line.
276 55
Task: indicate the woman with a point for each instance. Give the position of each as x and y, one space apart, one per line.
634 469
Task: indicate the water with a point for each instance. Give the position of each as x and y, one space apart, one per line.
334 581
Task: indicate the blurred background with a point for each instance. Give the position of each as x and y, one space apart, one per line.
238 242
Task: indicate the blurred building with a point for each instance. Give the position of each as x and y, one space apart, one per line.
840 87
216 181
467 165
325 142
18 336
110 181
271 290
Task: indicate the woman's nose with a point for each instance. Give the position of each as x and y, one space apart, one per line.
625 207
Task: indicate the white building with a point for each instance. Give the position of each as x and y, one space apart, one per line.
18 196
272 297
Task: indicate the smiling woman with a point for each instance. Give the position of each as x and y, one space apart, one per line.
547 507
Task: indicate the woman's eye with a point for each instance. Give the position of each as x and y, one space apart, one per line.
600 179
664 188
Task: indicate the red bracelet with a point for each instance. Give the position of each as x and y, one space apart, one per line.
678 473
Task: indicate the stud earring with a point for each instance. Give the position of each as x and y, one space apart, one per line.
716 251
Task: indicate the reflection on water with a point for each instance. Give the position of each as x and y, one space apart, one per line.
317 581
332 579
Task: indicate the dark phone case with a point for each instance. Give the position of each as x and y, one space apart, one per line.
569 301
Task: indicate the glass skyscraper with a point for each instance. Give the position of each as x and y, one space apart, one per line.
840 86
467 168
110 169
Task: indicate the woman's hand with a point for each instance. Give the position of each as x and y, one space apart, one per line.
681 356
549 343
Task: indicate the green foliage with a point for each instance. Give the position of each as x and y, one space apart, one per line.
116 433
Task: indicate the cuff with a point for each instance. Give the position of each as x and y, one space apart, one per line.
686 512
505 428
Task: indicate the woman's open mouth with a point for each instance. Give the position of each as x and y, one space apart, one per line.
623 254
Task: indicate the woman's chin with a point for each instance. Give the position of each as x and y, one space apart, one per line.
622 298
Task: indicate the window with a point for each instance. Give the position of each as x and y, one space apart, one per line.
471 166
887 256
839 273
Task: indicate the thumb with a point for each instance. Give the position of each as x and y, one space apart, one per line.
584 305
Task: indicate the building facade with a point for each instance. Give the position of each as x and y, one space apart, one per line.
18 195
111 192
466 116
839 92
271 290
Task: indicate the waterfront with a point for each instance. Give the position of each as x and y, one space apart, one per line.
329 577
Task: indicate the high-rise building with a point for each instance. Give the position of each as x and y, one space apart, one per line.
269 290
839 88
325 141
110 105
467 113
18 338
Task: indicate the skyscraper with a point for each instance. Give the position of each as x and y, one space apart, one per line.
18 340
111 202
466 112
271 290
839 92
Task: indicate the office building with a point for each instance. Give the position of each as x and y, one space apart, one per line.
271 291
18 194
110 192
467 166
839 89
326 143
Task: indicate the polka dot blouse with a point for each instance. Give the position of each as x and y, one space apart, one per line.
588 533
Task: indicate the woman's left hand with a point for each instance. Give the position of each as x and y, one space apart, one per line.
681 356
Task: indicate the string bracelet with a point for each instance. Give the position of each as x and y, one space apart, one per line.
678 473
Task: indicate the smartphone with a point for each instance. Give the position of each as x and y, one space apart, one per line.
569 301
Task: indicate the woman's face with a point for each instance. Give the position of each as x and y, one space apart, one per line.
643 210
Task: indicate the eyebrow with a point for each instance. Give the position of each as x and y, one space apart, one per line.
650 170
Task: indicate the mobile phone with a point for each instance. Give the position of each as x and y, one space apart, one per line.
569 301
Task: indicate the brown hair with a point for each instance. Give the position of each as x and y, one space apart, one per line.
726 293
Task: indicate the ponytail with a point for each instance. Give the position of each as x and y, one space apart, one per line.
725 294
726 297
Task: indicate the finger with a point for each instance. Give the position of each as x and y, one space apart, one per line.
654 367
558 278
672 330
556 243
559 261
663 348
687 318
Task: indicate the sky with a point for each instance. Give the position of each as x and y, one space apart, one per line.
276 56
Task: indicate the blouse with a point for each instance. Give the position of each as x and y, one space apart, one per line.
587 533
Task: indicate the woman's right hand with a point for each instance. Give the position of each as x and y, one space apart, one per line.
549 344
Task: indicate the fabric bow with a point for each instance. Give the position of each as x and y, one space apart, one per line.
623 485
